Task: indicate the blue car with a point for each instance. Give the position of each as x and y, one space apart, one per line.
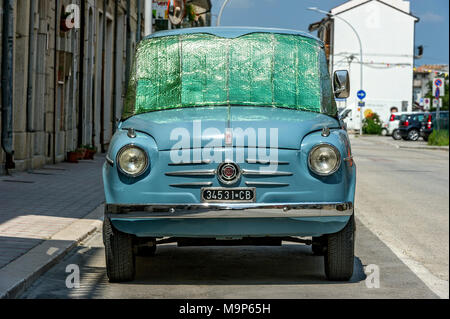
230 136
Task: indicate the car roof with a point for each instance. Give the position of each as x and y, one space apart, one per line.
231 32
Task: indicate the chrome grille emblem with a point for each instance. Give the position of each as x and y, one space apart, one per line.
228 173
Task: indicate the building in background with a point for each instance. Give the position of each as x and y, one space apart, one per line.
67 84
386 29
423 77
197 13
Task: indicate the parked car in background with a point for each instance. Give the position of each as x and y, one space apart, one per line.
409 126
392 126
429 123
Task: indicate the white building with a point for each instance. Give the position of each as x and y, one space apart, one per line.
386 29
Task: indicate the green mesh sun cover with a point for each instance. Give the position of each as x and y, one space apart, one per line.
258 69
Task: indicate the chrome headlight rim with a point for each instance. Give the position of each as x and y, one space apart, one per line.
338 161
127 147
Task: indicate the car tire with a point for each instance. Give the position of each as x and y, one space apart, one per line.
120 259
384 132
413 135
319 245
425 138
396 135
340 253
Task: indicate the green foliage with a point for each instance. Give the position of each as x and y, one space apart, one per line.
372 124
439 138
444 98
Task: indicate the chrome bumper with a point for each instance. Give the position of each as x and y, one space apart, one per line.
247 210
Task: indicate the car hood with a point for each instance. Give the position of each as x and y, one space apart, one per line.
272 127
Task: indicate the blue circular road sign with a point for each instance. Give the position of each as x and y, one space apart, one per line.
437 93
361 94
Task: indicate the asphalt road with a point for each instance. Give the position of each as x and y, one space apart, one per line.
402 228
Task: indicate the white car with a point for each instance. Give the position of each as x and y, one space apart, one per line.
392 126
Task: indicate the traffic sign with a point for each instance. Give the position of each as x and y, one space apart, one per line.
437 102
361 94
437 93
426 103
438 87
361 104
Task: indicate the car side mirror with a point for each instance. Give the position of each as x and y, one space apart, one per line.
341 84
345 114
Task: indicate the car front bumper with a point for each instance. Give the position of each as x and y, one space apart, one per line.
229 210
230 220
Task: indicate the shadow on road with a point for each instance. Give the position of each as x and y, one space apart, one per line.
289 264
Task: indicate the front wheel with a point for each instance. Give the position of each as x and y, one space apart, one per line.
384 132
120 260
340 253
396 135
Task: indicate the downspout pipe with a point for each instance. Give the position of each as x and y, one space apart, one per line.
114 69
81 75
31 59
128 44
7 82
139 21
102 106
55 76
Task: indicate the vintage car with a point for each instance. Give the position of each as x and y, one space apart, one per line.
230 136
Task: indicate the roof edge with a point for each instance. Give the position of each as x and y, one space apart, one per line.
230 32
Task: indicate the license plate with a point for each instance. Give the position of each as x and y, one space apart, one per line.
228 195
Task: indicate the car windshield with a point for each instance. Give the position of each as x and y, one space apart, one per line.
257 69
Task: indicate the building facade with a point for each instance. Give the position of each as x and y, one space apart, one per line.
386 29
423 77
65 65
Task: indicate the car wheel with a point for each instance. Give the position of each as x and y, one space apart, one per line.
425 138
120 260
340 253
396 135
384 132
413 135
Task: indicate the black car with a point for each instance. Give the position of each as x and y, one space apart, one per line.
409 126
429 123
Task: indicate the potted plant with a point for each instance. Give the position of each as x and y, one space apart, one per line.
90 152
72 157
81 153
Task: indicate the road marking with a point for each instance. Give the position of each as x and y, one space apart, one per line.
439 286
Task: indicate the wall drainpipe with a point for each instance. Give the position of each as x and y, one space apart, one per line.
7 83
30 82
55 75
114 69
80 126
102 106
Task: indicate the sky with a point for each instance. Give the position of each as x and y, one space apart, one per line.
432 31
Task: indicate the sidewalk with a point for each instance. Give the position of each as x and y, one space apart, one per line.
46 205
388 140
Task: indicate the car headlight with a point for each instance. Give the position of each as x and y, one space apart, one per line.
324 159
132 160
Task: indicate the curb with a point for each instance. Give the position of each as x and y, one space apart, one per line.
20 274
440 148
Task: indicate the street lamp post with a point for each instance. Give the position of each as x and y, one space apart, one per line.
219 18
360 49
